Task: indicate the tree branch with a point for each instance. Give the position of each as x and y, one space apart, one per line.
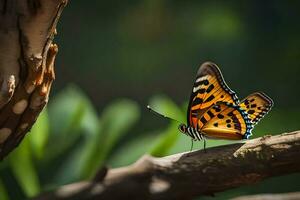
27 57
187 175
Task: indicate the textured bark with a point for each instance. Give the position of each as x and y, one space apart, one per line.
187 175
27 57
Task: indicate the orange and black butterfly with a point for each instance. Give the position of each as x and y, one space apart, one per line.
214 110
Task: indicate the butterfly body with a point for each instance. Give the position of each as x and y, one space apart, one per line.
215 111
191 131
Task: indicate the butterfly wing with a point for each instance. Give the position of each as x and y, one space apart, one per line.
208 89
225 121
257 105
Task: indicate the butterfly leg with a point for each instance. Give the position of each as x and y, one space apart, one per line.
204 144
192 145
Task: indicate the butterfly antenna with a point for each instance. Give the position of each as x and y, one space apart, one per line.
157 113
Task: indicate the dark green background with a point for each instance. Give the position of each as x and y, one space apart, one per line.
140 48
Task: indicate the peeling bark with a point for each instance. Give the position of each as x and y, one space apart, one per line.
188 175
27 55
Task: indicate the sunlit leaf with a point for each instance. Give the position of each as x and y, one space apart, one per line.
24 170
69 145
38 135
70 168
116 120
169 136
167 107
70 113
167 139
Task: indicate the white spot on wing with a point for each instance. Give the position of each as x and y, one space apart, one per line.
201 78
195 89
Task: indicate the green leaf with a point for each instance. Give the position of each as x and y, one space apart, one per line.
71 115
170 135
69 170
115 122
70 167
166 141
167 107
39 134
23 169
79 124
62 109
3 192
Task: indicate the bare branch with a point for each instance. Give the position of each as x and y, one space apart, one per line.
187 175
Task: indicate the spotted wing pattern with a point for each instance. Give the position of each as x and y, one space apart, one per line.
208 89
257 105
225 121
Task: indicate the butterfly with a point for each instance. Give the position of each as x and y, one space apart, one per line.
214 110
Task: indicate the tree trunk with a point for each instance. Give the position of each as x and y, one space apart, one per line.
27 57
188 175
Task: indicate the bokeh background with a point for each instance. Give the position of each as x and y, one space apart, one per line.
115 57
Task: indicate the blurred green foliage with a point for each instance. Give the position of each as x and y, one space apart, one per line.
137 49
70 142
122 53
